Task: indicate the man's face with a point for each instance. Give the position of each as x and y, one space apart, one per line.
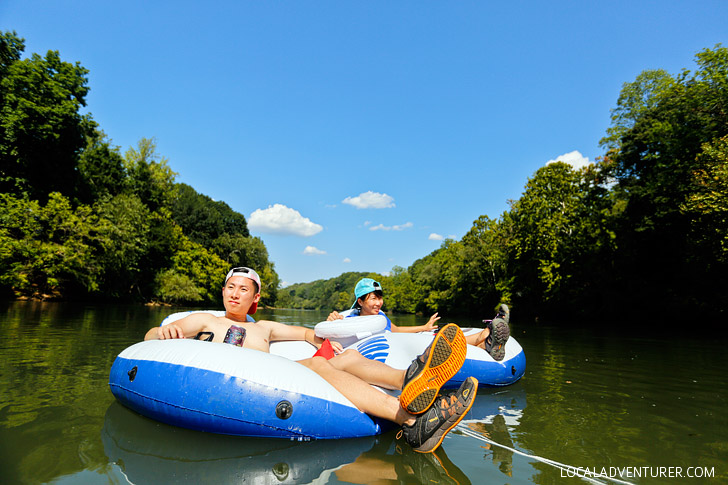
370 304
239 294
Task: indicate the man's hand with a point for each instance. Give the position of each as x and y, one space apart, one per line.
169 331
334 316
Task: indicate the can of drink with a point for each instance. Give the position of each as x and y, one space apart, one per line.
235 335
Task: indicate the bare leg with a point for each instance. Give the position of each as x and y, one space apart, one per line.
359 392
478 339
371 371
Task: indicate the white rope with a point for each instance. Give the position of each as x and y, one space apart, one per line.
577 472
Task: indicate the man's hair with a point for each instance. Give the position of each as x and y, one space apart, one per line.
247 273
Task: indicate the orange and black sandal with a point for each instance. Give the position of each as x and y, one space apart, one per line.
440 361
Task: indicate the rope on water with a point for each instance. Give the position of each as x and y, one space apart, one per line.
578 472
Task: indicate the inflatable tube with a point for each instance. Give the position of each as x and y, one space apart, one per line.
399 349
358 327
225 389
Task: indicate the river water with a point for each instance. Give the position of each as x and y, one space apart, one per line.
622 406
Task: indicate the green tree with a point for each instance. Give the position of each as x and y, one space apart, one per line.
42 131
126 237
203 219
196 267
402 293
707 209
100 169
653 158
485 275
562 240
49 251
149 176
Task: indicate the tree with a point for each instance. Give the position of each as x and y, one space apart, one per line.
49 251
561 253
41 129
126 240
100 169
203 219
707 209
652 157
196 269
148 175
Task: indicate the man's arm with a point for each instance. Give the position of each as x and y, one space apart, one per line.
280 331
185 327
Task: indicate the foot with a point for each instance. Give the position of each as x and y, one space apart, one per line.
495 343
430 428
504 312
440 361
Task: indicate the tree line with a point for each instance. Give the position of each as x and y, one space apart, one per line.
79 219
641 233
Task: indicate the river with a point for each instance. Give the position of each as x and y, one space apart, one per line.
620 405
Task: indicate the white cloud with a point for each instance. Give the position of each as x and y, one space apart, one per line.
279 219
382 227
311 250
370 200
435 237
575 159
346 260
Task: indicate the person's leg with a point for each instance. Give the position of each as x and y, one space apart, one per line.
494 336
359 392
368 370
424 432
422 381
429 429
478 339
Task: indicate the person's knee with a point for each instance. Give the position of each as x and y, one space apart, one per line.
347 358
351 355
318 363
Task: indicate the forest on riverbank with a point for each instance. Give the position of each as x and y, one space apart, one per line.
81 220
641 232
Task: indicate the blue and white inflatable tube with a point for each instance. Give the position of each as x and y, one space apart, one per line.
366 334
225 389
399 349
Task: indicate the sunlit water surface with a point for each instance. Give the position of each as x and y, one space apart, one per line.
602 399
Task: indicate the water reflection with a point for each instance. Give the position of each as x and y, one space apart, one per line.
149 452
495 415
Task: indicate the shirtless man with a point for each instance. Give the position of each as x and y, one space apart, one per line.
425 418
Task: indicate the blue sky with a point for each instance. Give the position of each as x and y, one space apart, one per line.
355 135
